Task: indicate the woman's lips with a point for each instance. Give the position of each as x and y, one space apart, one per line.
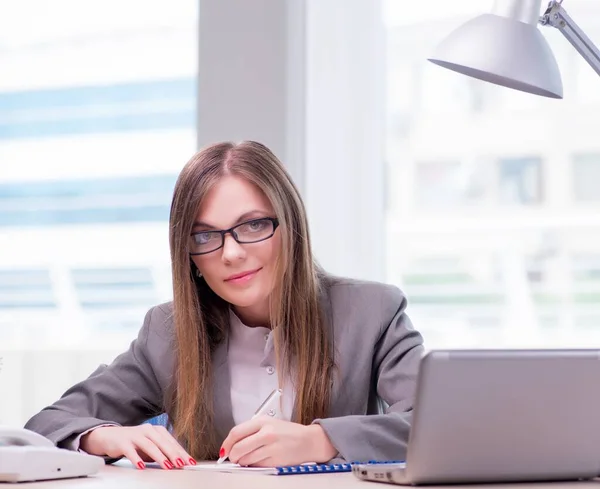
242 277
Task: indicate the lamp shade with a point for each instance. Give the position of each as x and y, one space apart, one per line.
504 51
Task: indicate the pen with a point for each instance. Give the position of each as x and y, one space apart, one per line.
264 408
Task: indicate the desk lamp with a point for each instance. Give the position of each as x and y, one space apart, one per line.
506 47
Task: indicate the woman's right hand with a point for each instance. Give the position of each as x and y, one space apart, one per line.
140 444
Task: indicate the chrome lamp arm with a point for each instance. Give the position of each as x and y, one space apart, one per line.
556 16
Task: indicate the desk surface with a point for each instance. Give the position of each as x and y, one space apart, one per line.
127 477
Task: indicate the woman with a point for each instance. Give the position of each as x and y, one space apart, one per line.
249 302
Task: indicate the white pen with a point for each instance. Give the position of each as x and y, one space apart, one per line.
264 408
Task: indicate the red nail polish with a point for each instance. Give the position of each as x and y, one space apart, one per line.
141 465
179 462
192 461
221 452
168 464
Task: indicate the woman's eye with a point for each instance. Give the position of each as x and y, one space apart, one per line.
203 238
257 225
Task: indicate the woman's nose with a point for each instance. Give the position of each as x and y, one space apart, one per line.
232 250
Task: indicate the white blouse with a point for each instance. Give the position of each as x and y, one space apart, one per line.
253 373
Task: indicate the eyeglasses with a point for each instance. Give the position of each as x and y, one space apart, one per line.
252 231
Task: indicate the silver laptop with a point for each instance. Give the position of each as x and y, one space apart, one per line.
494 416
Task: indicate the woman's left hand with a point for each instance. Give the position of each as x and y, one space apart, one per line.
269 442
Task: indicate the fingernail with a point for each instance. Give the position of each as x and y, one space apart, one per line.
221 452
192 461
141 465
168 464
179 462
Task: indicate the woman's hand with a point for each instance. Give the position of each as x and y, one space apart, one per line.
268 442
144 443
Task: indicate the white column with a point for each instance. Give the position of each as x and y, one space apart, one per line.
249 75
306 77
345 101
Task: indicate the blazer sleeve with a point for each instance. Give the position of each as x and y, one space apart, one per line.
396 359
126 392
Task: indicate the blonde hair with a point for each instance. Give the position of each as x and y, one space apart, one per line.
302 341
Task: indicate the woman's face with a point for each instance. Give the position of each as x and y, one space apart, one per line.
241 274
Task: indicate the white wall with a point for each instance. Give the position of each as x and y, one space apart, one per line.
32 379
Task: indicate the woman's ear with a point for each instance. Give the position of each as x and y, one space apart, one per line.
196 274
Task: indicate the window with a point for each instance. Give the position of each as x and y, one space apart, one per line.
586 268
93 109
446 185
87 202
586 177
520 180
438 184
26 289
112 300
484 244
104 288
97 118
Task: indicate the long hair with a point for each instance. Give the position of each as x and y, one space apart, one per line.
302 338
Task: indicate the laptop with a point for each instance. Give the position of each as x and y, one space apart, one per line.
497 415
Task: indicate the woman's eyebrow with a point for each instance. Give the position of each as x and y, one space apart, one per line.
242 218
200 224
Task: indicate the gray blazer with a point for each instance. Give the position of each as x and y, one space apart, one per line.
377 354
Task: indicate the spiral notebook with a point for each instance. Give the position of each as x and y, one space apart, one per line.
287 470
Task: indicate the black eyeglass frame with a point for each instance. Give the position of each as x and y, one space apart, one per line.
231 231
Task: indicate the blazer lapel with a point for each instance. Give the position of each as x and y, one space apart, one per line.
337 403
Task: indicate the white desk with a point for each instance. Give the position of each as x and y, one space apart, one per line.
123 477
126 477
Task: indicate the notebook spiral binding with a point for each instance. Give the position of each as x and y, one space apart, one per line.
327 468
